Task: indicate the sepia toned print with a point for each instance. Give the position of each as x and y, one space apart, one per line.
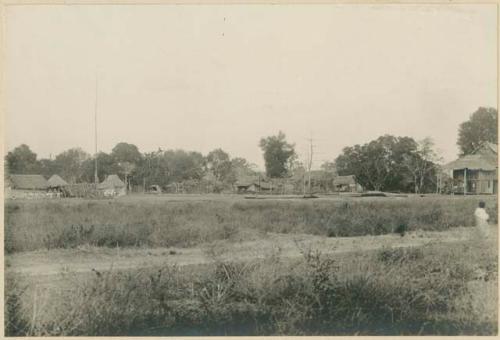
250 170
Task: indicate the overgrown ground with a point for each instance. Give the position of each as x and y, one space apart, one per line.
442 284
162 222
440 289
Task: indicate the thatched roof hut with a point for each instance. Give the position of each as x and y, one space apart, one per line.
28 182
112 182
344 180
56 181
483 158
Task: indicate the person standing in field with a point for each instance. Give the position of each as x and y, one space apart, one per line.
482 218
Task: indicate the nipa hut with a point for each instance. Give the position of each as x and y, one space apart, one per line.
113 186
57 182
26 186
347 184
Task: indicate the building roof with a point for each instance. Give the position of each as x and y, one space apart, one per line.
473 162
247 183
344 180
478 160
29 182
112 182
57 181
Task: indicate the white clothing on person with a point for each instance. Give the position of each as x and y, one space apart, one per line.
482 218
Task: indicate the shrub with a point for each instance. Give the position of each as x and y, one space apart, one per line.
397 292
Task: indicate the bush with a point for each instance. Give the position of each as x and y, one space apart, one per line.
397 292
399 255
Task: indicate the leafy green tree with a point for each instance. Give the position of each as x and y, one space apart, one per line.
421 163
105 166
278 155
219 163
21 160
481 127
127 168
127 158
47 167
379 164
125 152
241 168
70 164
185 165
150 171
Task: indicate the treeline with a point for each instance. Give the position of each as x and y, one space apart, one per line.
402 164
388 163
392 164
161 167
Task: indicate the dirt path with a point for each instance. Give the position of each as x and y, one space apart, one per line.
84 259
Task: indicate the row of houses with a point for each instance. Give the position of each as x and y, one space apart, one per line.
33 186
257 185
475 173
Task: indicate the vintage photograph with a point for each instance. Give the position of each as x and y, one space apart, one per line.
250 169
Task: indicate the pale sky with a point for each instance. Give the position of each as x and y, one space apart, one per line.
205 77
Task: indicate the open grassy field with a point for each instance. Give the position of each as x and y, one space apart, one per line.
219 265
166 221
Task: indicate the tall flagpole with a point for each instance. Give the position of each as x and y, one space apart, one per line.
96 178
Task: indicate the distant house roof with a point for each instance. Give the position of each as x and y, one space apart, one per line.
28 182
483 158
57 181
344 180
248 183
112 182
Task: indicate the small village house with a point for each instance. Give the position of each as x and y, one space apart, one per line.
57 185
113 186
477 172
154 189
252 186
26 186
56 182
347 184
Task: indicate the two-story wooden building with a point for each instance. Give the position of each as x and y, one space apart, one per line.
476 173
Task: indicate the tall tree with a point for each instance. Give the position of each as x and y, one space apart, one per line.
47 167
125 152
481 127
241 168
421 164
219 163
21 160
69 164
378 165
128 158
180 165
278 155
105 166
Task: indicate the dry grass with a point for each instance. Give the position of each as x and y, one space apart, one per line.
436 289
153 222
